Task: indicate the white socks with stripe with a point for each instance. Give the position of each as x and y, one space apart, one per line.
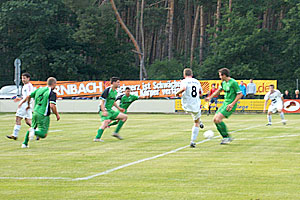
16 130
195 131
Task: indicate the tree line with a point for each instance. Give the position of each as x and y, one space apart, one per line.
143 39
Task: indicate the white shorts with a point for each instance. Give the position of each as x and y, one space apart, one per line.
275 107
195 115
23 113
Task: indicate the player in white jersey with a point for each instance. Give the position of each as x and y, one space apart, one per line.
191 91
23 112
276 104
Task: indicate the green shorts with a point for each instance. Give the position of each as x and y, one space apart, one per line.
111 115
40 121
223 110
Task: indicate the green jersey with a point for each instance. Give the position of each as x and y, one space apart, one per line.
126 101
231 89
109 95
43 97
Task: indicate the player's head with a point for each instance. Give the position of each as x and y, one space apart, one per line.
224 73
51 82
127 91
115 82
187 72
213 85
272 87
296 91
25 78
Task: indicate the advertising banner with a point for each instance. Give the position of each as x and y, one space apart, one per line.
291 106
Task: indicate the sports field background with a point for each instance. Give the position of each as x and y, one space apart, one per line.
261 163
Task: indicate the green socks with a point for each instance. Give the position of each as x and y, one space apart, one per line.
222 129
39 133
119 126
99 134
26 138
113 123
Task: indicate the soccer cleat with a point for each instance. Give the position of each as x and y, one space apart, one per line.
284 122
38 138
98 140
31 134
117 136
201 125
24 146
226 140
193 145
12 137
269 124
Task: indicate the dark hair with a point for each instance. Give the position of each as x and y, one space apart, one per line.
114 79
213 84
127 88
272 86
26 74
224 71
51 80
188 72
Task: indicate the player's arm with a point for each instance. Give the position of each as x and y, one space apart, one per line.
216 93
237 98
181 90
52 99
102 101
265 105
118 107
27 99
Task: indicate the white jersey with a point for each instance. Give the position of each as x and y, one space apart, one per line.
275 97
190 100
27 89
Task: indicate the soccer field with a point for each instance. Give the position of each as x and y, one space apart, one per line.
153 161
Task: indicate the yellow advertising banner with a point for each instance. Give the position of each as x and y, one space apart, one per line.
262 86
243 105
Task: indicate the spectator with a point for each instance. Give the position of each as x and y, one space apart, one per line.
286 95
251 89
297 96
243 89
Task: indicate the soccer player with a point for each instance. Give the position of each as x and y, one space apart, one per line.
232 95
191 91
125 101
214 99
22 112
45 99
276 104
107 114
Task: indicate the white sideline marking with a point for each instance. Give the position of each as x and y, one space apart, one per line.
135 162
52 131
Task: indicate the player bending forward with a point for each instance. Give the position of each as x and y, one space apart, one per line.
232 95
45 99
276 104
22 112
191 91
107 114
125 101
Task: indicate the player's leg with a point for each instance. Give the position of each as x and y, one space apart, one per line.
100 131
209 107
282 116
271 109
216 104
33 125
16 130
113 123
43 126
122 117
195 129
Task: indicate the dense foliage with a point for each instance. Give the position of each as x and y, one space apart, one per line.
83 40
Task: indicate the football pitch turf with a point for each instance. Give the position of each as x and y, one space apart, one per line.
153 161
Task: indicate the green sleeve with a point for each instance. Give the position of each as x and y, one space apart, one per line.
221 87
136 97
236 87
32 95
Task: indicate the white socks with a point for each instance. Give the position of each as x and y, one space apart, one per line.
195 131
282 115
269 118
16 130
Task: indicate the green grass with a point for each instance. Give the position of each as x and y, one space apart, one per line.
252 167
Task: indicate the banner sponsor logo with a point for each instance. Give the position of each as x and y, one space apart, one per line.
292 106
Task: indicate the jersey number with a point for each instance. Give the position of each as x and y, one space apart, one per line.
194 91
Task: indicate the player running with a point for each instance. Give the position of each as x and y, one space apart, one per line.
125 101
276 104
22 112
232 95
191 103
107 114
214 99
45 99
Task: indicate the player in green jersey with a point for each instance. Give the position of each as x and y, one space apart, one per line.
232 96
107 114
125 101
45 99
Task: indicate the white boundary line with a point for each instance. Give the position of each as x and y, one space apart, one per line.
138 161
